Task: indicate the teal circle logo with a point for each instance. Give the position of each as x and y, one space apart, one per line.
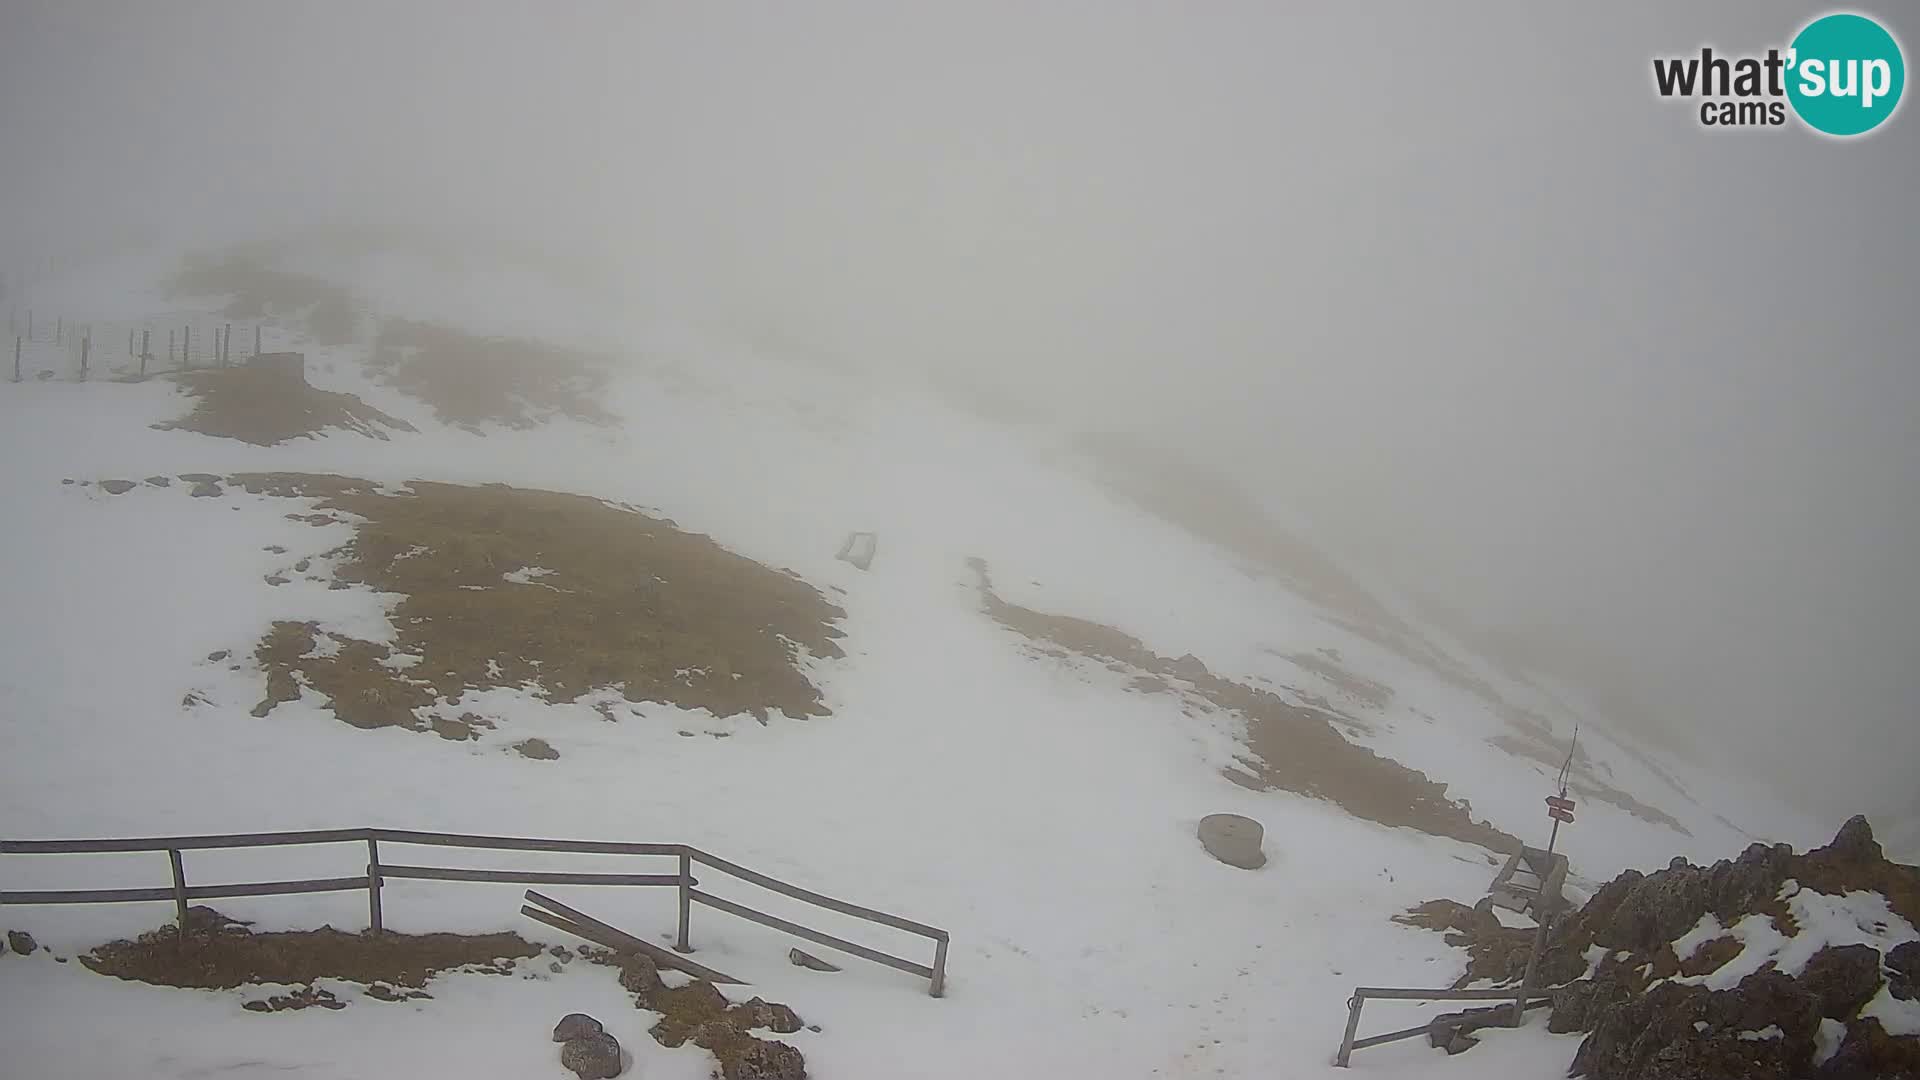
1845 74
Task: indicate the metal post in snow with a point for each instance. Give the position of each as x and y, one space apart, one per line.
686 902
169 346
226 346
16 358
146 349
186 346
179 892
86 347
373 883
256 339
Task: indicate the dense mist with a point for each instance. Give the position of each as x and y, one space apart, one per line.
1450 288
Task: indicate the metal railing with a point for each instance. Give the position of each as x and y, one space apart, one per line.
377 872
1520 999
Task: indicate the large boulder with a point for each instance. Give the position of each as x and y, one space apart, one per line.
1234 840
1842 978
576 1026
592 1057
764 1059
1903 970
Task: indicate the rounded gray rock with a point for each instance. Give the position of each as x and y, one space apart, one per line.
575 1026
1234 840
592 1057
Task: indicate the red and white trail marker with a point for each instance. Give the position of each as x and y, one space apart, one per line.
1559 803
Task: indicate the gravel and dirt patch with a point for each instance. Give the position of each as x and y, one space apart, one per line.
474 381
1288 747
265 407
219 954
559 594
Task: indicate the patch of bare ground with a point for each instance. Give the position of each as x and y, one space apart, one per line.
258 290
1289 747
220 954
1326 664
265 407
561 594
700 1014
1584 783
474 381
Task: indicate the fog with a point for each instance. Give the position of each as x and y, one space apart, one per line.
1449 282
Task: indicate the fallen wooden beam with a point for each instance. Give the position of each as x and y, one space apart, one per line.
561 917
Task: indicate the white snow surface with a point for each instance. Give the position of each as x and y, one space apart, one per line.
1038 811
1856 918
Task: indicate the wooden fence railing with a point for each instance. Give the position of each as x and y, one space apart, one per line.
377 872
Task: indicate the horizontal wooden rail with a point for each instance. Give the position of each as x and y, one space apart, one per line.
812 935
517 843
194 892
1395 994
817 899
524 877
183 843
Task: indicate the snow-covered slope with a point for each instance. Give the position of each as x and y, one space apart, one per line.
1037 809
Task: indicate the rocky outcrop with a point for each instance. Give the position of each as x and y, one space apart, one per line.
1653 1014
700 1014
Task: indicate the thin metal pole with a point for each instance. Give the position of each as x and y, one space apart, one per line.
86 347
1353 1027
186 346
226 346
256 339
686 902
16 358
939 987
179 892
373 884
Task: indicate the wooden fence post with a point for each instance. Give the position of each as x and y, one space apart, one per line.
256 339
226 346
686 902
179 892
146 349
130 351
86 347
186 346
169 346
1353 1027
373 879
939 988
16 358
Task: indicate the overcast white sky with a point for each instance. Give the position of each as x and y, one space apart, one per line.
1449 278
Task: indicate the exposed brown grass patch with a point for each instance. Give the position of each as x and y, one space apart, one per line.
1374 695
626 602
474 381
222 955
265 407
1289 747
